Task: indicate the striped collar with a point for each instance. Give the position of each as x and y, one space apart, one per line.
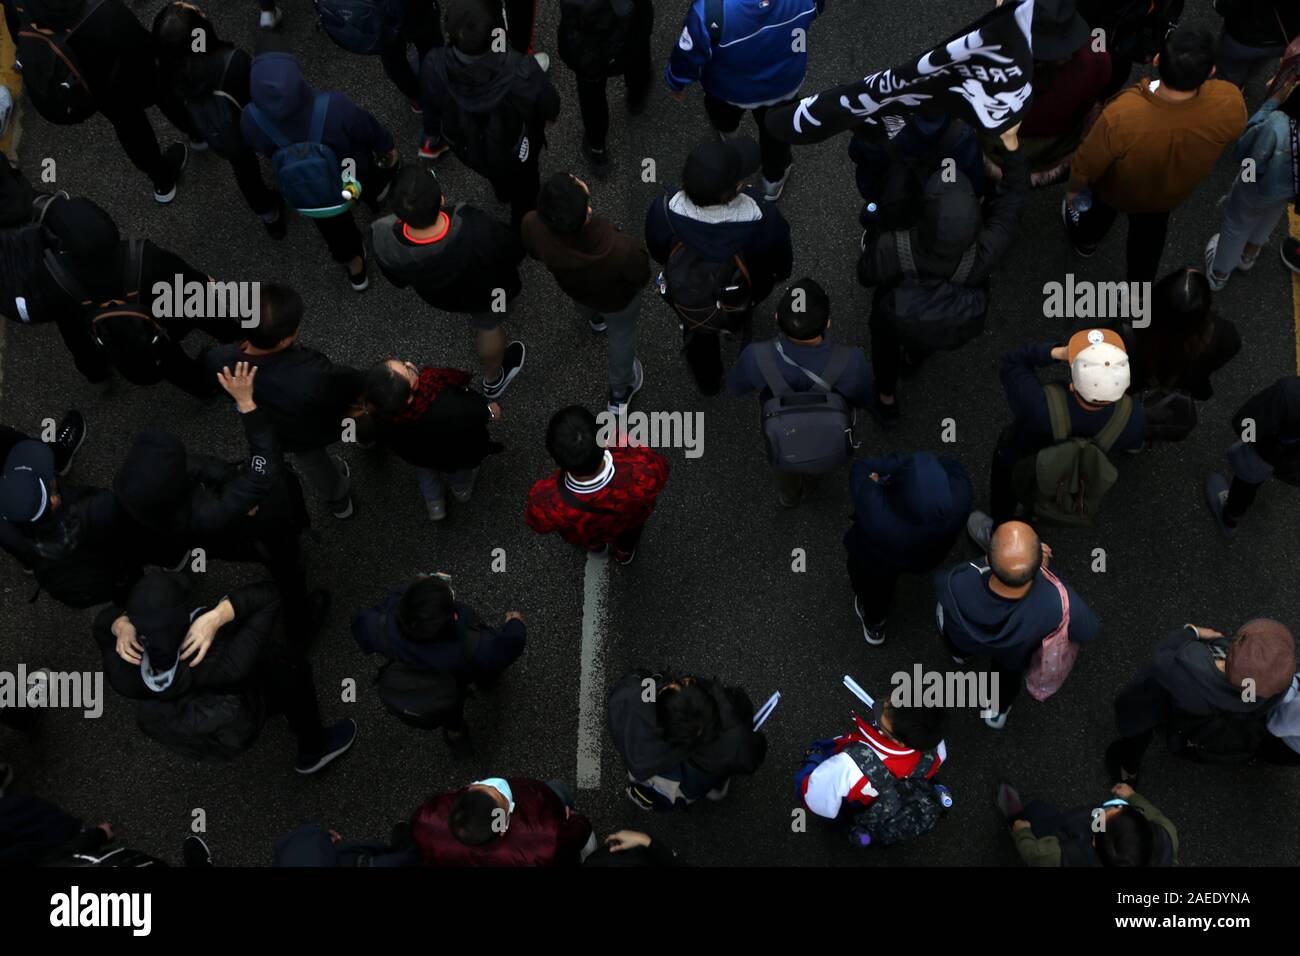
594 484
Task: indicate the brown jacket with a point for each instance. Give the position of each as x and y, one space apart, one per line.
600 266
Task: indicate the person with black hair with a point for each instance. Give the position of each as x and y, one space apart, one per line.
716 234
432 419
305 395
490 106
1125 831
1256 204
503 822
457 258
801 354
842 776
208 676
423 625
1004 607
210 77
599 266
114 57
1254 32
599 498
1151 147
1268 430
682 738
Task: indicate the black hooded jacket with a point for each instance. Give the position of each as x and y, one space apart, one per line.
1276 414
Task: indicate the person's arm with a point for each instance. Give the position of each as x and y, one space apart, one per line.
777 231
1036 851
636 264
548 100
744 376
694 48
1008 205
1095 155
498 649
1155 816
1084 624
1018 370
362 129
658 230
858 384
164 265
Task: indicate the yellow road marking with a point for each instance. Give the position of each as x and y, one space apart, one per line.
1295 287
10 78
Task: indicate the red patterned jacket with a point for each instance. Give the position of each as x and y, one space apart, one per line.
625 502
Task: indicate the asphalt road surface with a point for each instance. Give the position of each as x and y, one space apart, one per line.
712 590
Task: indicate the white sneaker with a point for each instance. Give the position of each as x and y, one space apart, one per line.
1217 282
543 60
998 721
772 191
270 19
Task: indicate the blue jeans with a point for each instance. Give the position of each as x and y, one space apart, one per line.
1246 219
433 484
622 341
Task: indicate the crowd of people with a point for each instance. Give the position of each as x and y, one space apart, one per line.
942 199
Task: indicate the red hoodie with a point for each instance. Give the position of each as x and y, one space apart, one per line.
622 503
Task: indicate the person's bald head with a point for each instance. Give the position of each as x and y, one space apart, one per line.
1015 554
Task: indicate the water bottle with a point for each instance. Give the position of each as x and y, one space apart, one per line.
351 190
859 837
1082 202
944 795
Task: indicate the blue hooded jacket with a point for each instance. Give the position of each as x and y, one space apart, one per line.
756 61
278 89
910 518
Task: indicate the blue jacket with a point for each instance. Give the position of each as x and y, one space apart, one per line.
910 518
376 632
756 62
1267 140
278 89
980 623
855 382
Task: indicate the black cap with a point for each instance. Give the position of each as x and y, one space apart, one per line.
27 482
1058 30
714 168
159 610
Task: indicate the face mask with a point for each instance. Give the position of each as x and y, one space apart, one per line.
1114 803
500 786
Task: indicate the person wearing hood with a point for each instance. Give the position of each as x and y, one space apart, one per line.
1268 429
952 222
600 267
197 66
423 626
282 107
490 107
1003 608
311 845
114 54
908 512
682 738
1213 694
719 218
93 264
457 258
802 350
207 677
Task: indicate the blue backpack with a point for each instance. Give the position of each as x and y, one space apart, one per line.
359 26
308 172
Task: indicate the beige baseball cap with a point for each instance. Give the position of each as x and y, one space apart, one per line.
1098 365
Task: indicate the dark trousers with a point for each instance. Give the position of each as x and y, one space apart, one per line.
135 133
1241 495
726 119
86 355
421 28
887 353
261 198
874 585
626 541
703 351
522 17
521 187
1010 681
593 99
1146 237
1002 492
288 689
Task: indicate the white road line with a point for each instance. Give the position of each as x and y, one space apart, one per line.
591 687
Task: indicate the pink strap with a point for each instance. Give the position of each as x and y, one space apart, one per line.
1064 626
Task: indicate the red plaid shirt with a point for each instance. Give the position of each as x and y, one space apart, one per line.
639 476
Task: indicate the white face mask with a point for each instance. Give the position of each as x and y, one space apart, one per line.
500 786
156 681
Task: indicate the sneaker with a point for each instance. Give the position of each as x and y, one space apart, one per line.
1216 499
623 557
998 721
345 509
875 636
543 60
278 227
980 528
429 149
789 500
1291 254
512 364
464 494
599 158
1117 772
1247 262
1216 280
176 156
772 190
359 281
638 796
719 793
437 509
598 324
270 19
1008 800
617 400
459 743
195 852
886 416
197 146
1069 219
338 737
68 440
417 107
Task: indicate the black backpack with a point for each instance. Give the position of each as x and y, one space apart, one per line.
418 696
1218 738
807 433
50 75
931 313
211 727
707 294
215 116
905 808
593 36
22 249
1135 29
493 144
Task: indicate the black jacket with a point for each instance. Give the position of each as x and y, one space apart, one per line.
1263 22
305 395
1276 414
633 724
1193 377
461 271
451 435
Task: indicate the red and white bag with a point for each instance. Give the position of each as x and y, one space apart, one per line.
1051 663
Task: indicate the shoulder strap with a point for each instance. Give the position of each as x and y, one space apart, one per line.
903 246
225 68
1119 419
766 357
1058 412
923 766
964 267
64 278
133 269
576 502
319 109
266 126
840 356
713 14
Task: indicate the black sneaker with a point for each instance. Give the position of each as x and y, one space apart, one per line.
1291 254
195 852
639 798
72 433
886 416
598 324
360 281
175 156
1117 772
338 737
512 364
599 158
278 227
1070 220
873 635
462 748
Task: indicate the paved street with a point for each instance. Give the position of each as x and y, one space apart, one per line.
712 590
